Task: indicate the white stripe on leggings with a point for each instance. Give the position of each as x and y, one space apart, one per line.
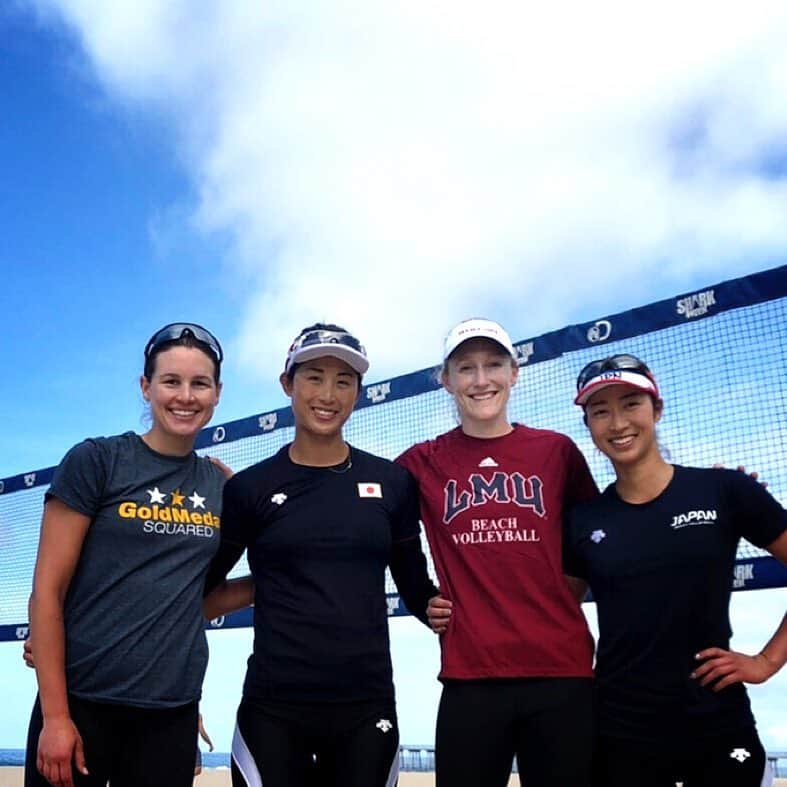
245 763
393 774
767 776
243 760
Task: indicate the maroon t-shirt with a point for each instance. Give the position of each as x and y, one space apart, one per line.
492 510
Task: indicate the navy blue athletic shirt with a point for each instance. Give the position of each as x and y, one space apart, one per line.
661 575
318 541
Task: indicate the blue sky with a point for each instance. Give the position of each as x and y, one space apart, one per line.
395 168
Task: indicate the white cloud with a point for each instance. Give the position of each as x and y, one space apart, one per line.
400 166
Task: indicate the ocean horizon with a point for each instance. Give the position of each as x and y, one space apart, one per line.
216 759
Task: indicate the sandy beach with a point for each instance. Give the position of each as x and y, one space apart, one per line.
12 777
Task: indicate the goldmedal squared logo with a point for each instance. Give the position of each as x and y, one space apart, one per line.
174 518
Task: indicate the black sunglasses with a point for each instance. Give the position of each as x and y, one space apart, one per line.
327 337
177 330
322 337
615 363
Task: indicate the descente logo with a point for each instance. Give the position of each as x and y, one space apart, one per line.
693 518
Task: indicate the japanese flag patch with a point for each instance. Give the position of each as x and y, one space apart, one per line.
366 489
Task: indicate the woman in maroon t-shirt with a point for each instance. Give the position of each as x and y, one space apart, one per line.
516 650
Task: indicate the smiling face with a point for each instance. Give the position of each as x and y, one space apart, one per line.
182 393
480 374
323 393
622 422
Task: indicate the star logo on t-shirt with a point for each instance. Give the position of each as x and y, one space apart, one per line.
197 501
177 498
278 498
155 495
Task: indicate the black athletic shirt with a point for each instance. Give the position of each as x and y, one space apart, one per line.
661 575
319 540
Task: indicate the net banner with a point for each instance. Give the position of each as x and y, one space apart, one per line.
718 354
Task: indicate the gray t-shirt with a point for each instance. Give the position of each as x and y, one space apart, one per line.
133 621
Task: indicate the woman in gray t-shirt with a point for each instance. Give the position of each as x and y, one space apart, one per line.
130 524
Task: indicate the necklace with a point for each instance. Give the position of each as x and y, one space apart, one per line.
344 466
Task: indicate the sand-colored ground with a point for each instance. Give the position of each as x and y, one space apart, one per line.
12 777
219 779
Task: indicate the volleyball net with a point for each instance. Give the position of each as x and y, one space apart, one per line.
718 354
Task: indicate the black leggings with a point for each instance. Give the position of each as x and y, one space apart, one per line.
727 760
353 744
547 723
125 746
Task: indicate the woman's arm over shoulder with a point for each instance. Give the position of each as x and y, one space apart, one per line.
226 471
759 516
574 569
580 484
412 459
778 547
236 513
577 586
230 595
408 562
409 572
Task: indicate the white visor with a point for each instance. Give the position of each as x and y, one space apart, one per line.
477 328
613 377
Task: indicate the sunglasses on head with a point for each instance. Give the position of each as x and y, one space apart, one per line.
327 337
615 363
320 337
177 330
